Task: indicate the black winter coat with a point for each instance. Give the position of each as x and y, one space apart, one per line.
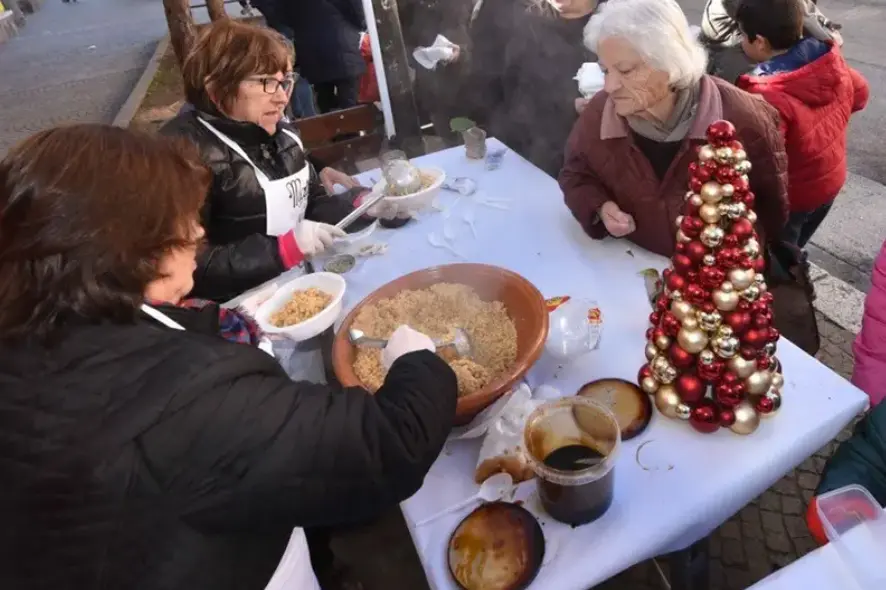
327 37
239 254
521 83
143 458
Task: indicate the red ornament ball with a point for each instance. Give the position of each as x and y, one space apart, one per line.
744 305
740 184
758 307
721 132
682 263
726 174
759 264
749 199
742 228
658 333
764 405
645 371
728 257
708 307
711 277
692 276
767 298
695 251
695 184
650 334
691 226
680 247
730 378
730 241
670 324
695 294
755 338
690 388
748 353
763 320
710 373
690 210
680 358
727 418
773 334
654 318
675 282
705 417
763 361
662 303
739 321
728 396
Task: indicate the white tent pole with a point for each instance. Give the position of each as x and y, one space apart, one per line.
377 60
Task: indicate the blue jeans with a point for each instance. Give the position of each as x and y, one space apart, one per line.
801 226
302 101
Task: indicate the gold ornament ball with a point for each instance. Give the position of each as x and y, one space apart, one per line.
676 296
681 237
690 323
666 400
692 340
726 346
651 351
706 357
725 331
649 385
752 248
696 200
682 309
746 419
777 381
752 293
752 216
769 348
741 157
688 195
724 155
709 213
709 260
711 193
738 210
663 371
678 221
712 236
706 152
684 412
709 321
725 300
742 367
758 382
662 342
727 190
741 278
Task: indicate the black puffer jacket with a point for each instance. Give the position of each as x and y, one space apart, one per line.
240 255
327 37
143 458
521 85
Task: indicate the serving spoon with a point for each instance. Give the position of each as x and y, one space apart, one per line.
460 341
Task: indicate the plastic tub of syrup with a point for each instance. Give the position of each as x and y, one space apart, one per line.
572 445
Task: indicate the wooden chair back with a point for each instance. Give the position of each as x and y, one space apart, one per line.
342 138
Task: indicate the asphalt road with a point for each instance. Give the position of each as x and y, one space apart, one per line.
851 236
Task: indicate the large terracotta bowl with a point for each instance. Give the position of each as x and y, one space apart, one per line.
524 303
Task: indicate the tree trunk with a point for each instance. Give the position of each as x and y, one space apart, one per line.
216 9
393 49
181 27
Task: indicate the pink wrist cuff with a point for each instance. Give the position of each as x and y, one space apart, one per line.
290 253
359 200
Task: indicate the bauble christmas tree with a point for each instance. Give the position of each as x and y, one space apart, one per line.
711 348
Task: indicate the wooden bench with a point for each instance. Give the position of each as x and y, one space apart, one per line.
342 138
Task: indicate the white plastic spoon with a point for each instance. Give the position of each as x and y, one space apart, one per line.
492 490
439 242
470 218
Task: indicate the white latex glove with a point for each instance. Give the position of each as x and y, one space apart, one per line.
403 341
313 237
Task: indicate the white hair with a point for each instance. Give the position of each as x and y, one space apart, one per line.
658 30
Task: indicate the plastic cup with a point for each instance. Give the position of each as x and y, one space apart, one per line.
475 143
572 445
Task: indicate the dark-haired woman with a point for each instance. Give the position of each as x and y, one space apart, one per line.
140 450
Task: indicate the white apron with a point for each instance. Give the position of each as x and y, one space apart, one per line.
285 199
294 572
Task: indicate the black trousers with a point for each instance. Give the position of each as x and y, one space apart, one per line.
337 94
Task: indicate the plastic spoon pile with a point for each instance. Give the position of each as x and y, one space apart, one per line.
493 489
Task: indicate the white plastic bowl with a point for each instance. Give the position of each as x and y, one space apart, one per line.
421 199
328 282
355 241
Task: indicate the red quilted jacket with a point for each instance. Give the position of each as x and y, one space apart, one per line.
815 92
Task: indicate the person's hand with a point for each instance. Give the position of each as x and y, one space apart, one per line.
403 341
581 104
617 222
330 177
384 209
313 237
456 54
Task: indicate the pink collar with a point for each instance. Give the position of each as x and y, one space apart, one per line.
710 109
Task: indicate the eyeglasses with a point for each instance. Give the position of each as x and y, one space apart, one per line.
271 85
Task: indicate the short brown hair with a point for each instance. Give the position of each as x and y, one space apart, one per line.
86 214
227 52
778 21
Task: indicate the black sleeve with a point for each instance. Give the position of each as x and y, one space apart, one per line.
226 270
249 450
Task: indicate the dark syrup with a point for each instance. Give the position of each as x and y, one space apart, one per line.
576 505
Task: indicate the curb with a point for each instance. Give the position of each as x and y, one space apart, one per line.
135 98
837 300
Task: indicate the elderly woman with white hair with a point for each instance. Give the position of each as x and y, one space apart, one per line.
627 159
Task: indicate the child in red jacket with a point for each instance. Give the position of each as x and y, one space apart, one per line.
815 92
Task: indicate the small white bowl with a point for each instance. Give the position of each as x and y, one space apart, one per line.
421 199
328 282
355 241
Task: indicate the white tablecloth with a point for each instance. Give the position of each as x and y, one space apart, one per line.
692 482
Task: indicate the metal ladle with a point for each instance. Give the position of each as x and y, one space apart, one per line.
461 342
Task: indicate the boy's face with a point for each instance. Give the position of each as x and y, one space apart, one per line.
757 50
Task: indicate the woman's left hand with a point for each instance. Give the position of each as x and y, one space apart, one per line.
330 177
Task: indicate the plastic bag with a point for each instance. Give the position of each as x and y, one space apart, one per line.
502 449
